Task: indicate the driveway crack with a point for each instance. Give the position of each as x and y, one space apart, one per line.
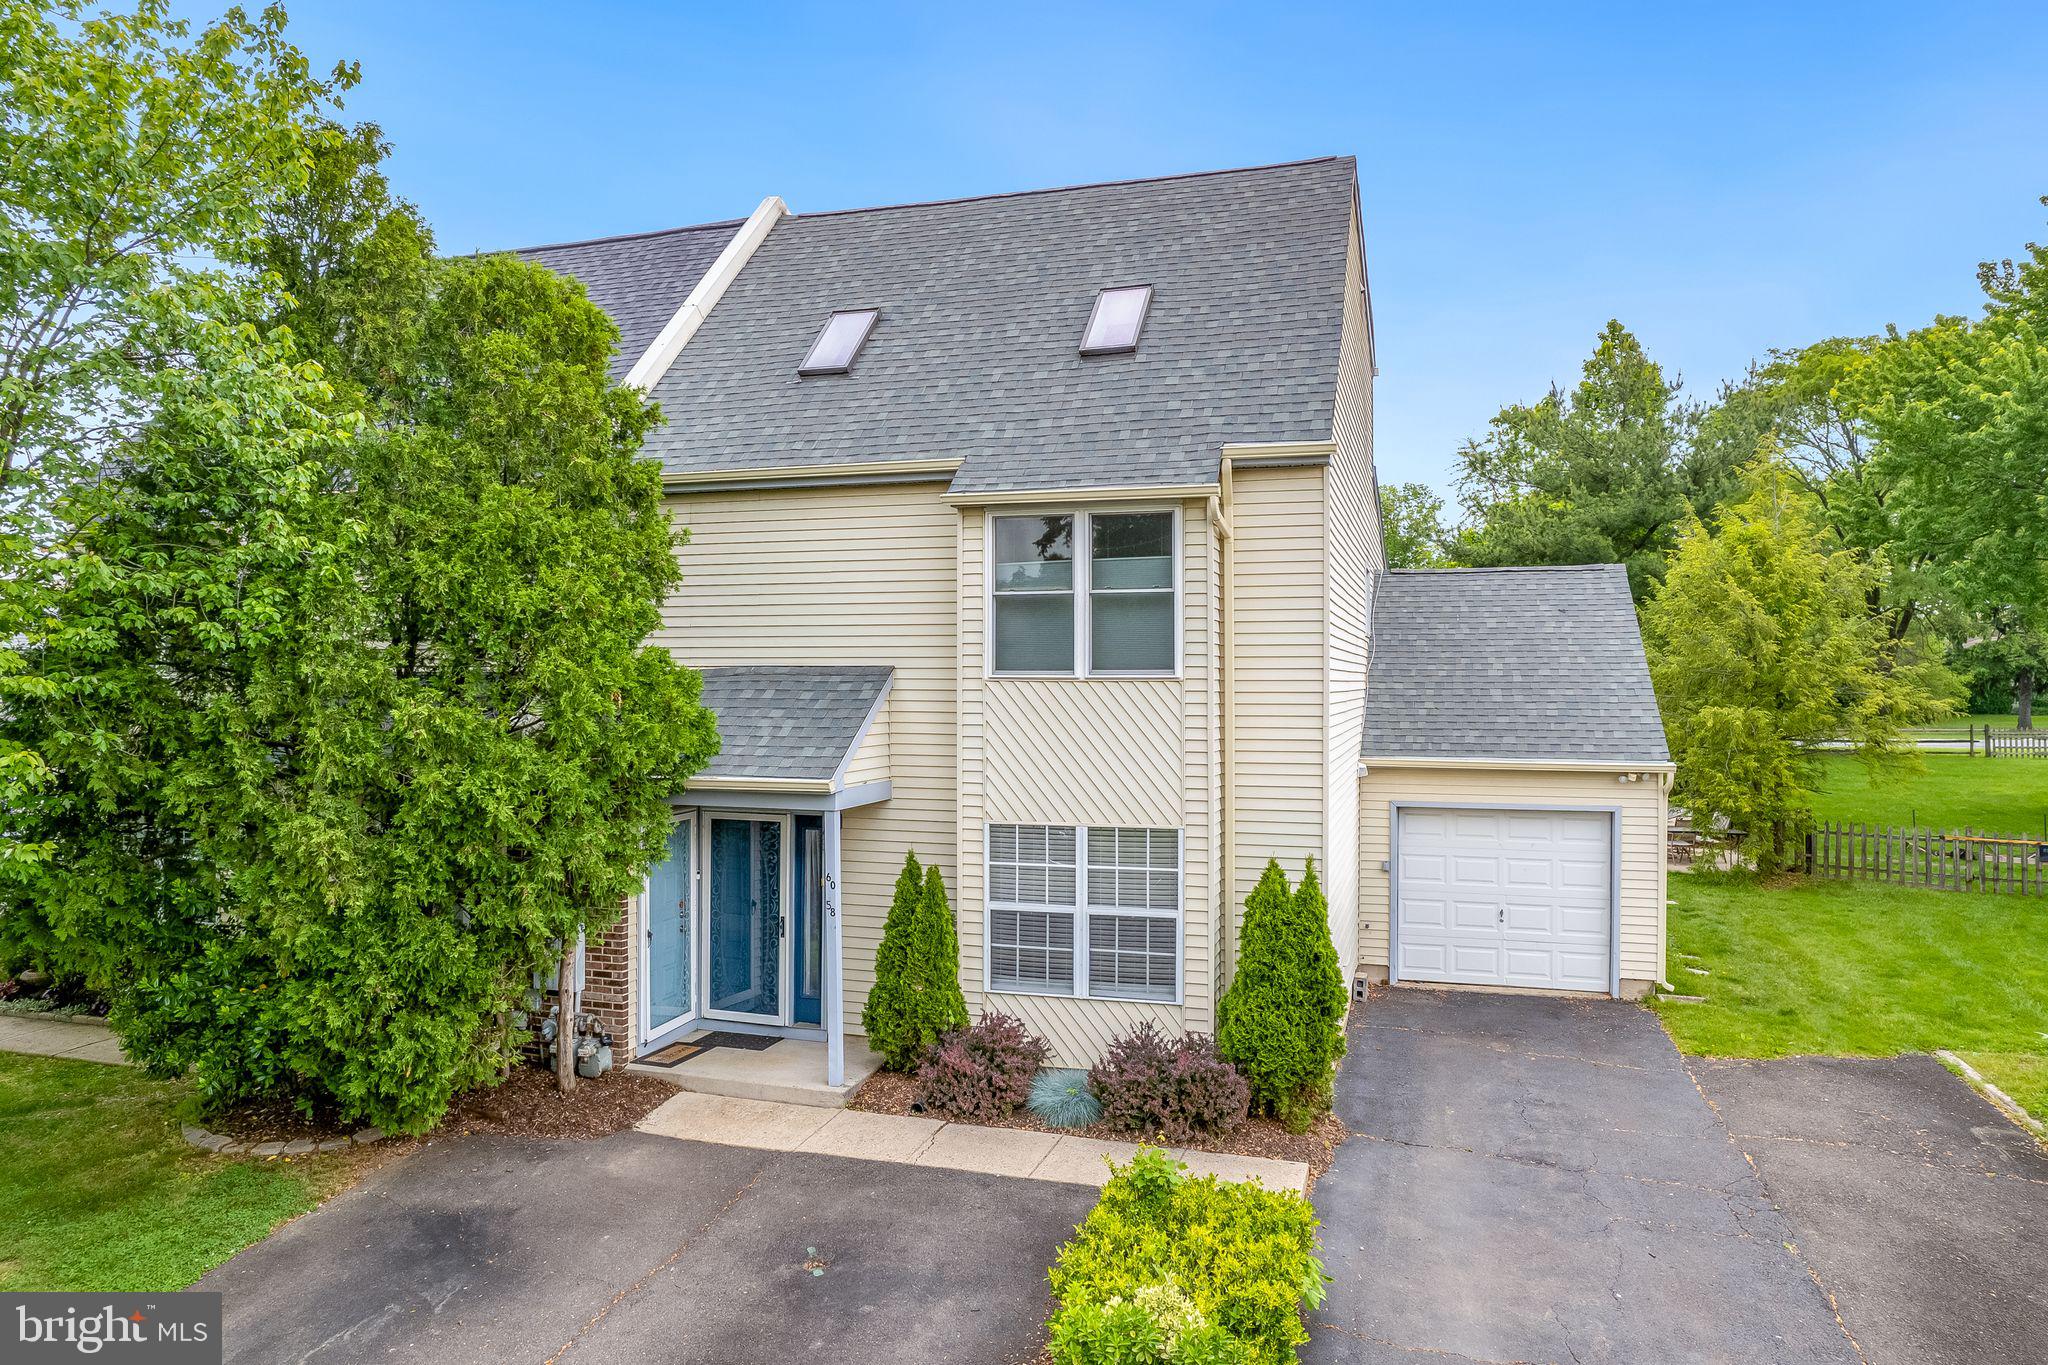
599 1316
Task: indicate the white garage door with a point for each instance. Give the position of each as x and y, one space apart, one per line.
1504 898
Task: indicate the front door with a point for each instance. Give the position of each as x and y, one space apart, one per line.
746 950
671 904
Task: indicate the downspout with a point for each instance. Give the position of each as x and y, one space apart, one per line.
1226 708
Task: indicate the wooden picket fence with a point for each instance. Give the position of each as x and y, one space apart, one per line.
1953 860
2015 743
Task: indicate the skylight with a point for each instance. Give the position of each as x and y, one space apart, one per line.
1118 316
840 342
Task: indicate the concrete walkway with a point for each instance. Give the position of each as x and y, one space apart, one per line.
79 1040
912 1141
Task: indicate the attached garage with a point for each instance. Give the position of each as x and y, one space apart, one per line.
1512 785
1504 897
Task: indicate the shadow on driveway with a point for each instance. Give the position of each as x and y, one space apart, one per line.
1538 1179
647 1249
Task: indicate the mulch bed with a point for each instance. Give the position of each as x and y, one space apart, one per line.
525 1105
892 1092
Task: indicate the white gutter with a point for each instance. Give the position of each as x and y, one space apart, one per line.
1570 765
793 786
1226 701
1157 492
649 368
811 473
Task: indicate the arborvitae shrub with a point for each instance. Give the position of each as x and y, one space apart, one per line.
916 998
1282 1020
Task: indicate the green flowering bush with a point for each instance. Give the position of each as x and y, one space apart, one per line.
1173 1270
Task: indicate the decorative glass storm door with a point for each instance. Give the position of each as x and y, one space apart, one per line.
746 947
671 905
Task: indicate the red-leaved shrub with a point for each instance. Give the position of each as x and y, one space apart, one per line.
1177 1088
983 1073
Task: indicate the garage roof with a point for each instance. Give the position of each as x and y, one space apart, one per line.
1520 663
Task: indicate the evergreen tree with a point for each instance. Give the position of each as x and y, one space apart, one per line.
880 1016
1282 1020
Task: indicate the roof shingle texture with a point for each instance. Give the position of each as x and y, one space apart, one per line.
1510 663
788 722
640 281
976 353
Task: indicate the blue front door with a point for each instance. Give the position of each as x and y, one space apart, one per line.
747 920
807 955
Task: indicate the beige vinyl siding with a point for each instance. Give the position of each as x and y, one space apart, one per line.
870 762
840 576
1356 557
1643 808
1280 744
1092 751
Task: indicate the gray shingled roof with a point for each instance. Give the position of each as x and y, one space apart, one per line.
640 280
789 722
983 302
1510 663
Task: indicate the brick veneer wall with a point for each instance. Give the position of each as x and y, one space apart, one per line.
608 983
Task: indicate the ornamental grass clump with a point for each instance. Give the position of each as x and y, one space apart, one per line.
1185 1271
1062 1099
1282 1020
916 998
981 1074
1178 1089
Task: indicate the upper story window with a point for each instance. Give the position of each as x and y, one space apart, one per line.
1108 610
839 342
1116 320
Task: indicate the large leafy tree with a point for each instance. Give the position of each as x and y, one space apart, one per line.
1603 473
1961 410
1412 526
1762 648
354 726
137 157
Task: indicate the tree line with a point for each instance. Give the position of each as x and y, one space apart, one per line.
1849 540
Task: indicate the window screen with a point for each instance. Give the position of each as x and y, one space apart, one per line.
1130 592
1031 866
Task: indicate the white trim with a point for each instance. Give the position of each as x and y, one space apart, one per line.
1567 765
767 786
1256 453
650 1039
860 736
1081 911
792 474
676 333
1084 574
1099 493
832 1007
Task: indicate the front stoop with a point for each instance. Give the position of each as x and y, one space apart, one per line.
912 1141
790 1071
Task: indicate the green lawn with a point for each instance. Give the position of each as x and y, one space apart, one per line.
102 1193
2001 795
1859 969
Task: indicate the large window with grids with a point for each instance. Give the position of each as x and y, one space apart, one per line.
1091 911
1086 594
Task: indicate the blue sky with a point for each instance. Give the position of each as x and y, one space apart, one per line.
1723 181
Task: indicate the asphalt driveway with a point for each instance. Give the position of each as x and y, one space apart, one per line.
1538 1179
648 1249
1921 1207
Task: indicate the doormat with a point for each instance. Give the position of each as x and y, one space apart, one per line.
677 1053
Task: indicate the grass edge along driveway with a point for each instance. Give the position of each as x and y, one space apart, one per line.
102 1193
1860 969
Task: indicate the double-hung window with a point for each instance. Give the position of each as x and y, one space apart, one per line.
1093 911
1083 593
